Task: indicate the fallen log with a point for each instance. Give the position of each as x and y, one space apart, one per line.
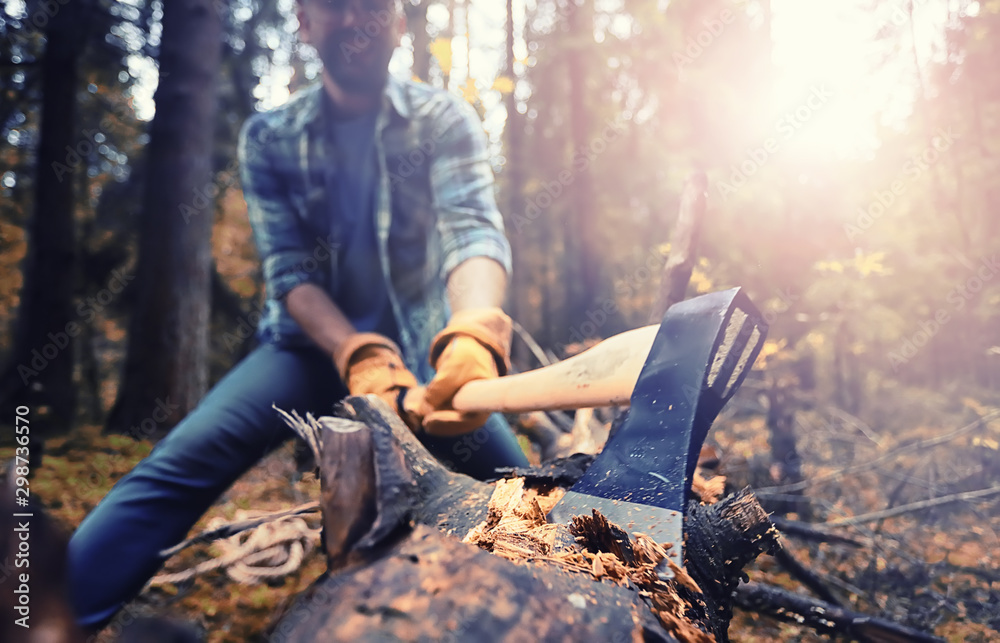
394 521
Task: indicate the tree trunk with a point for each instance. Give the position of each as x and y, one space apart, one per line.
165 371
581 275
513 172
39 372
587 285
450 35
684 242
416 18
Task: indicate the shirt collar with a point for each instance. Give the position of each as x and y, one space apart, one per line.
394 96
395 90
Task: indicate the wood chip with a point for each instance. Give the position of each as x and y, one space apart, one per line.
709 490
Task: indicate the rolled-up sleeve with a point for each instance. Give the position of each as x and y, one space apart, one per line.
463 190
286 258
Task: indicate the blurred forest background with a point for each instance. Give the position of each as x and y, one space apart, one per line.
851 148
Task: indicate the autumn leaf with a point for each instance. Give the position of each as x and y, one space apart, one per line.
469 90
968 554
441 50
829 266
503 84
870 264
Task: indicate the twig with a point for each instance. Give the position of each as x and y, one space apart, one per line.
530 342
805 576
545 359
913 506
856 422
931 442
807 531
233 528
823 617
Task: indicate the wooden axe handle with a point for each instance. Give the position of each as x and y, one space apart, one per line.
603 375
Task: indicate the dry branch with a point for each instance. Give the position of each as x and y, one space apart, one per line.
806 576
913 506
812 533
823 617
683 246
871 464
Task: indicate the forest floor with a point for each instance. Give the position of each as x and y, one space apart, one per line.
937 568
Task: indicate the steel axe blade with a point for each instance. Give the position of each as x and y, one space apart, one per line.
702 352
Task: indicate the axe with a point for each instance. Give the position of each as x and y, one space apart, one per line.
675 377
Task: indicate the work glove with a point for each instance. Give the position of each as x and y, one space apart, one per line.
474 346
372 364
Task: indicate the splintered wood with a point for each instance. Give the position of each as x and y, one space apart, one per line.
516 529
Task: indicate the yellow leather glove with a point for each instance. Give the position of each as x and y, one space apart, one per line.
372 364
474 346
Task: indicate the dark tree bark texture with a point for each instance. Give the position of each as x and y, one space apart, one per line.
166 365
39 371
416 20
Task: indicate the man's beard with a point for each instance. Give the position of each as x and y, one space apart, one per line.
357 64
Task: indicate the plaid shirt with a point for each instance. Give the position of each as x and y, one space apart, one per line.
434 206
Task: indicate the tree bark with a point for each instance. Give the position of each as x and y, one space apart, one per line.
39 371
416 19
582 277
165 371
684 241
514 183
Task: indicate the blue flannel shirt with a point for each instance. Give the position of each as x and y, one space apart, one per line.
434 206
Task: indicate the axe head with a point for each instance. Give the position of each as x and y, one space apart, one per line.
702 352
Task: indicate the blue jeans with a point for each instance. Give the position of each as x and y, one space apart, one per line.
116 548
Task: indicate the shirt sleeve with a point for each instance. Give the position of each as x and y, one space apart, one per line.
287 259
462 187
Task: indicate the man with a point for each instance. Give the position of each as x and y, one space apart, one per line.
371 202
